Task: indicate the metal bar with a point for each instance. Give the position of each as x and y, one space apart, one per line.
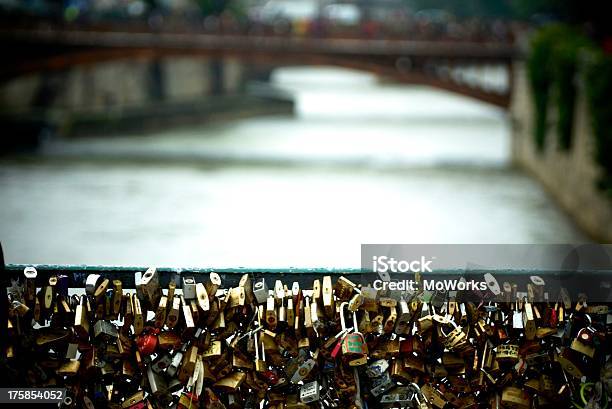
77 274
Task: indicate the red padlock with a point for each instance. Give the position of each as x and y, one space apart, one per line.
147 341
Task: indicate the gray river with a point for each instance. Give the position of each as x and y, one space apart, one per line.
360 162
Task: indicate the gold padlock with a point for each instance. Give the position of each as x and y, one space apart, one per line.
230 383
515 398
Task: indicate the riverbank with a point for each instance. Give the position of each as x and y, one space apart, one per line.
569 176
28 130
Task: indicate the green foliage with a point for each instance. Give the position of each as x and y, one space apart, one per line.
552 66
540 78
598 84
558 55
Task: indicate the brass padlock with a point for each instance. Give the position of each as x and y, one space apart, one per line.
515 398
230 383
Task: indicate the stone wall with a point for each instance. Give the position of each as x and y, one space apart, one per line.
122 84
569 176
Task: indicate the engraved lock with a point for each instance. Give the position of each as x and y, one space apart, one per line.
303 370
572 362
507 353
381 384
354 347
402 399
189 288
260 291
310 392
344 288
377 368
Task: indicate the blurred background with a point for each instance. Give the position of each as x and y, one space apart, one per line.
277 133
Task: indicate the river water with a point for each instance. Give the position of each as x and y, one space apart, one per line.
360 162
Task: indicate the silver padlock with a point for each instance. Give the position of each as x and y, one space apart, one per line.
260 290
189 288
377 368
157 383
161 362
91 283
401 398
381 384
175 363
105 331
310 392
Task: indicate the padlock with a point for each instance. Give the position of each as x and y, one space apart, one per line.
81 321
260 291
188 364
328 297
149 284
212 284
172 318
91 283
175 363
354 347
203 300
529 321
147 341
377 368
310 392
515 398
138 315
160 313
344 288
230 383
507 353
105 331
161 363
189 288
381 384
583 342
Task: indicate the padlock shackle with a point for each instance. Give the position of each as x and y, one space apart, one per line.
342 320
